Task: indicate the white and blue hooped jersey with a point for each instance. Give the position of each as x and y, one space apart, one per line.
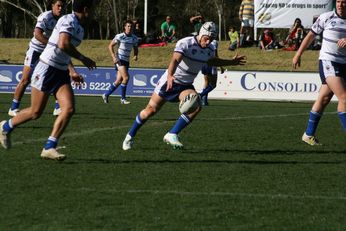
46 22
333 28
53 55
125 44
194 58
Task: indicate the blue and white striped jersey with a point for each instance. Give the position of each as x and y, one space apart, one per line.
46 22
333 28
125 44
54 56
194 58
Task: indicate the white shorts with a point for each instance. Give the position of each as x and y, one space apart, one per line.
49 79
247 22
331 69
31 58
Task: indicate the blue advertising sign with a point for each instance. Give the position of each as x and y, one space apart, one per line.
142 81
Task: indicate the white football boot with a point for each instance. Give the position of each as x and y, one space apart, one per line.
56 111
13 112
128 142
105 98
173 140
311 140
124 101
52 154
4 137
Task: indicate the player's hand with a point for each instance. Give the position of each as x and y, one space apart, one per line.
77 79
342 43
89 63
296 61
170 80
135 58
239 59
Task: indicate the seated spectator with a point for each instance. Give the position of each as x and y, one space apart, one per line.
233 35
168 33
267 40
295 36
197 22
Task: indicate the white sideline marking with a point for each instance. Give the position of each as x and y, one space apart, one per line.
94 130
231 194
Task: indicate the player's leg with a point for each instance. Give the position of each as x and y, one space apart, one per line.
31 59
57 109
323 99
38 103
125 79
66 100
209 84
183 121
113 87
154 105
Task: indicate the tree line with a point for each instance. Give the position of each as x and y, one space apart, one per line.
18 17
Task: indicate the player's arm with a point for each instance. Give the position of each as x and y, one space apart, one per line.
176 58
306 42
112 52
75 76
65 45
236 60
38 34
135 53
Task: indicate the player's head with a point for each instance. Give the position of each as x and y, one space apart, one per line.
80 5
83 9
340 7
207 33
57 7
127 26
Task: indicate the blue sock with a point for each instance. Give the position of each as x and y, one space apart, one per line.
8 127
342 116
111 89
52 142
123 90
57 106
181 123
314 119
136 125
206 90
15 104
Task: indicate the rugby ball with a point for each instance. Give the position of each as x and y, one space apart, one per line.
190 103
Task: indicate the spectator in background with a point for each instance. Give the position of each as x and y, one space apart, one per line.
266 40
234 41
168 33
137 30
295 36
197 22
246 17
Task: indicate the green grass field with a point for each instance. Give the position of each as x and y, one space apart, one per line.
243 168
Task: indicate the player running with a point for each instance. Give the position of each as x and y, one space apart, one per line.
43 30
190 55
121 59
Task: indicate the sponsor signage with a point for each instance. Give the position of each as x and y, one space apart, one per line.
282 13
249 85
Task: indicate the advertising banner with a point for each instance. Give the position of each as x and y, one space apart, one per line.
282 13
142 81
248 85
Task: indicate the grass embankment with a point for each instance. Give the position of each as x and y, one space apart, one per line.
13 52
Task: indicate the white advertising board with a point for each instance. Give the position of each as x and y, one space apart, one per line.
281 13
255 85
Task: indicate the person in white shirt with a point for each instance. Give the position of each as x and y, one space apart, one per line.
332 65
121 59
43 30
52 75
189 56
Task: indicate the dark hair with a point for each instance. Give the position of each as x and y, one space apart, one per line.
52 2
78 5
127 21
298 20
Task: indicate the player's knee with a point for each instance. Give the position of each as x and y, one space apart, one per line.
35 114
24 82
